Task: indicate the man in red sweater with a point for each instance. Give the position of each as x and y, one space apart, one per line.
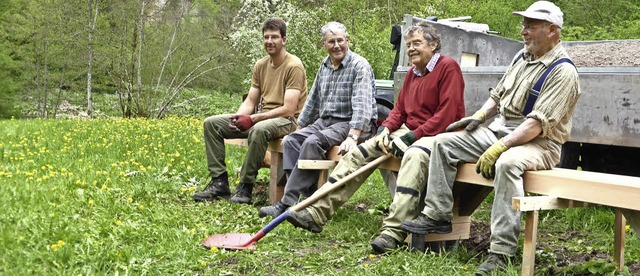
430 99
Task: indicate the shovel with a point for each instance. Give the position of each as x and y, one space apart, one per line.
246 241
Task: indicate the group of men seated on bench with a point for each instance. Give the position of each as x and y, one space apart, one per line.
423 129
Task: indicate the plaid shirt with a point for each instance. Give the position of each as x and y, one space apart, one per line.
344 93
558 96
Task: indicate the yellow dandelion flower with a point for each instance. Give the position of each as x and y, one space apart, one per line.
54 247
130 200
371 256
183 190
91 202
118 223
214 249
104 187
627 229
141 207
21 238
366 265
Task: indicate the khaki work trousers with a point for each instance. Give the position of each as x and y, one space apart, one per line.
451 149
409 186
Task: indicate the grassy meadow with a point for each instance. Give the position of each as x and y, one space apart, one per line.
114 196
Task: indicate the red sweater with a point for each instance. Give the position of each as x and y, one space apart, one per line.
428 104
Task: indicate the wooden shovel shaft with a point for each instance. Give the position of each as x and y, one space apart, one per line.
324 192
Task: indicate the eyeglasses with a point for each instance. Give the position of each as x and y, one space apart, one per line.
339 41
528 26
272 37
415 44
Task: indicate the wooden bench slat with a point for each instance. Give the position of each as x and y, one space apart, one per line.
316 164
537 203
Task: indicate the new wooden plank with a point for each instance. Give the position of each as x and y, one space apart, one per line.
599 188
536 203
529 246
618 237
316 164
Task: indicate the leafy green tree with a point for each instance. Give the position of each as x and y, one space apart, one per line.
8 68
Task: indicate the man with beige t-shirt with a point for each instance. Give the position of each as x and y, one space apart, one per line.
278 90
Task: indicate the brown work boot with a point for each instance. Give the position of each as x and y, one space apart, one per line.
495 262
304 220
384 244
217 188
243 194
423 225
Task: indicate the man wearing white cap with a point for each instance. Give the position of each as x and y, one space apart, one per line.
534 102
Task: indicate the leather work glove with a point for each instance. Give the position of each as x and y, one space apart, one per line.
347 145
486 163
242 122
232 125
399 145
471 122
382 139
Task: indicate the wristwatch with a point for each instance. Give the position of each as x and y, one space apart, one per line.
353 136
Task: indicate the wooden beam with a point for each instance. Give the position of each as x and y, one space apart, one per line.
275 174
598 188
316 164
530 239
534 203
618 237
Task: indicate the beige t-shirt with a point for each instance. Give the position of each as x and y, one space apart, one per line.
273 81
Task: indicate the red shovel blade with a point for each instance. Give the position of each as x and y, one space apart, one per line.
230 241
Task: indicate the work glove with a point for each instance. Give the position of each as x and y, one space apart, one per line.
471 122
382 139
242 122
399 145
232 125
486 163
347 145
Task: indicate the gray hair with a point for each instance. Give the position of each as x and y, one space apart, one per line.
428 32
333 27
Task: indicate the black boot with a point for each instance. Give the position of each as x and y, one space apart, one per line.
217 188
243 193
273 210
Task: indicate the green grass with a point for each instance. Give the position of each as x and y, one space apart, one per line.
109 196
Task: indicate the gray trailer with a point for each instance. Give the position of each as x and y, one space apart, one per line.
606 123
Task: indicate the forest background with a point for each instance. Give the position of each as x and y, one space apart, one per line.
150 58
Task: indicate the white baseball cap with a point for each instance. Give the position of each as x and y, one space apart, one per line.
543 10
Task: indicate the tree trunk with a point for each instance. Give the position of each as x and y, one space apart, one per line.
92 18
139 56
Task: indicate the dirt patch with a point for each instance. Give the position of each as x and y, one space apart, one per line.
553 245
606 54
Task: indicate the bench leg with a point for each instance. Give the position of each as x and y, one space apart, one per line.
619 235
322 177
529 248
275 190
416 243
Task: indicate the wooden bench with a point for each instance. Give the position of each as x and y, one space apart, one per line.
557 189
563 188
